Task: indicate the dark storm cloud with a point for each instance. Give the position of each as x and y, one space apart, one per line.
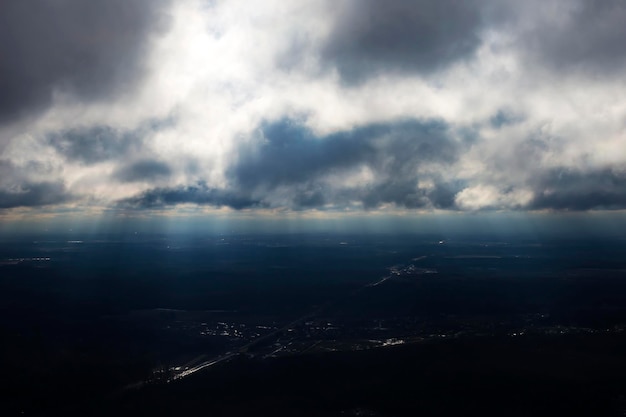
91 49
292 154
293 168
311 197
406 192
19 189
144 170
403 192
588 37
94 144
372 37
443 194
293 158
569 189
34 195
199 194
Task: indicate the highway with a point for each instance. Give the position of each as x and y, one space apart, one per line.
190 371
186 371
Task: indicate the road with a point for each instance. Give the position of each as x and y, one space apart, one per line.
246 348
204 365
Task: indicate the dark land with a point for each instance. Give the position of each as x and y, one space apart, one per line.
312 325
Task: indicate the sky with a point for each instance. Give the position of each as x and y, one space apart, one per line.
117 109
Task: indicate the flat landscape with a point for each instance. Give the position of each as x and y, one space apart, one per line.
316 324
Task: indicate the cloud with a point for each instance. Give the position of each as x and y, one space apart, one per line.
572 189
368 166
489 197
313 105
578 36
292 153
195 194
34 195
144 170
90 145
407 193
291 167
504 117
90 50
373 37
26 186
426 37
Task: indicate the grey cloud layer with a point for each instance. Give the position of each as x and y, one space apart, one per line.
34 195
588 37
294 168
292 153
292 156
578 190
373 37
91 49
199 193
18 188
143 170
95 144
